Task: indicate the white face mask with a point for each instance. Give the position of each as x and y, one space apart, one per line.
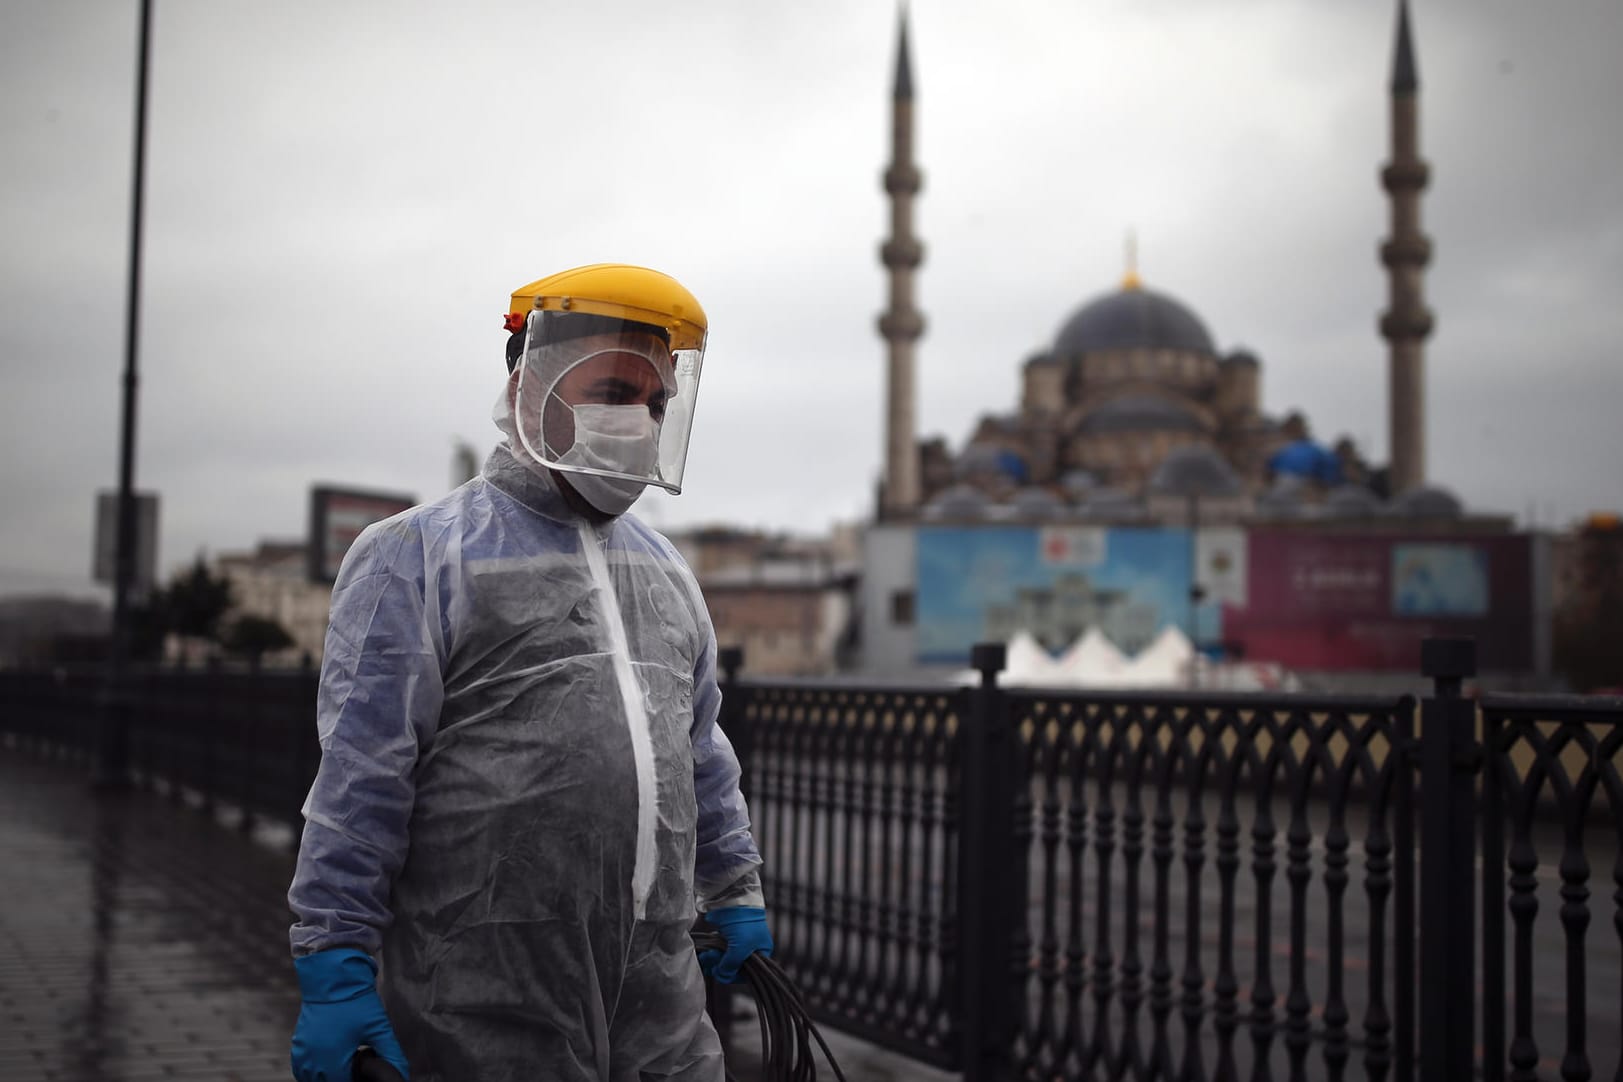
624 439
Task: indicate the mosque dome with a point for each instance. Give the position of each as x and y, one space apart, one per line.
959 501
1427 502
1352 501
1036 502
1195 471
1133 318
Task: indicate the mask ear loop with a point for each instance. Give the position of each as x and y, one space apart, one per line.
552 392
540 414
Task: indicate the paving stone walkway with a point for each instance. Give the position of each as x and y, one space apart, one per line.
138 939
141 939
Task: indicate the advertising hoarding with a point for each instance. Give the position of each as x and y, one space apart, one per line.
984 583
1305 599
337 517
1364 602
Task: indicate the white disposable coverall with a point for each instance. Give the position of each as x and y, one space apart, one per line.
482 800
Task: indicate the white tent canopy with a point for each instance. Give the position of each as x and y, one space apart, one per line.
1030 665
1093 661
1163 663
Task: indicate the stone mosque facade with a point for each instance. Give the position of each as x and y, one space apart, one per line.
1132 381
1134 408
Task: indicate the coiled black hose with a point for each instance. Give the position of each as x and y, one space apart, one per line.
368 1066
787 1030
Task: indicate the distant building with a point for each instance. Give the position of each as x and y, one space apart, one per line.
790 603
273 582
1133 410
791 618
1573 555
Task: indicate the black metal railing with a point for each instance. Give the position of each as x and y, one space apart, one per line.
1193 885
1069 885
1191 863
213 736
856 792
1551 799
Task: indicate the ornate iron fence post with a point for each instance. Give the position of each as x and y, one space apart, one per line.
988 897
1450 758
729 660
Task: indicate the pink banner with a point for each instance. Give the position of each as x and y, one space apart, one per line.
1366 602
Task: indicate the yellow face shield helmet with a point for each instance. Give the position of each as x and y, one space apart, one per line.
608 360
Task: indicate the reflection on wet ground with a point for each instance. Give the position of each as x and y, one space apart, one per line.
137 939
142 940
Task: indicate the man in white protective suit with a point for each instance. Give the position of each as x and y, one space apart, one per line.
523 795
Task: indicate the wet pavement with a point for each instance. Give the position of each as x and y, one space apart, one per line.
138 939
144 939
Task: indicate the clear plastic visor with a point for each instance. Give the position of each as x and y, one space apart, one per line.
599 395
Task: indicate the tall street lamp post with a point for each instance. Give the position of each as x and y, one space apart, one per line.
111 767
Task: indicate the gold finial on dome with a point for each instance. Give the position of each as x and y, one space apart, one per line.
1131 280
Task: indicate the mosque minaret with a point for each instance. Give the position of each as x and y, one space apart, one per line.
1407 321
1134 401
901 325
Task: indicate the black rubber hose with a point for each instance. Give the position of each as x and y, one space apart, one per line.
787 1029
368 1066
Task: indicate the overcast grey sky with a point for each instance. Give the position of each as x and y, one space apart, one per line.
341 196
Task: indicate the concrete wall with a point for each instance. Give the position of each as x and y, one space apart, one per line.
888 568
785 631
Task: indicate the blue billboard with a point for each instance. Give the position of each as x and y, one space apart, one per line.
986 583
1439 580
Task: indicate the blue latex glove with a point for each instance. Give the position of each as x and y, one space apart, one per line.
745 928
341 1012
